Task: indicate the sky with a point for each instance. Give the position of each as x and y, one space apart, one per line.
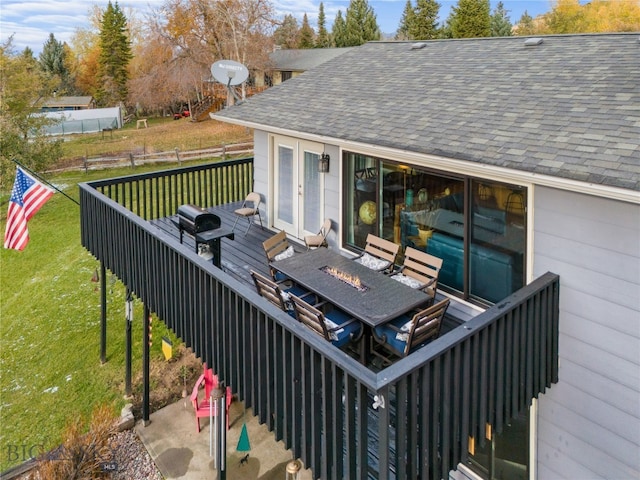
31 21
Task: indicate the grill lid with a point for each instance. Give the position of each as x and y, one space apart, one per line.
194 219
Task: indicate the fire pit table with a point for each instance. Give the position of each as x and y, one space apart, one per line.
370 296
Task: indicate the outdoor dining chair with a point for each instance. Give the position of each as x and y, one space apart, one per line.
419 270
280 297
277 248
320 239
379 254
336 326
249 209
401 336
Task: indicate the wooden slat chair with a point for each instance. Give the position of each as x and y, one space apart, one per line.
379 254
336 327
277 247
280 297
320 239
202 407
404 334
419 270
249 209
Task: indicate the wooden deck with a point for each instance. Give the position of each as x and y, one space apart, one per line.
240 255
245 253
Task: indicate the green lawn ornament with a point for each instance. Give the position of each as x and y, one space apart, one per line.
243 441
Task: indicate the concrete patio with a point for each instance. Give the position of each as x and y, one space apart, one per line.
180 452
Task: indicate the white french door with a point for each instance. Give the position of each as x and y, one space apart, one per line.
297 186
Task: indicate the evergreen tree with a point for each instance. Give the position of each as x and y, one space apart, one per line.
500 23
323 40
525 26
52 58
338 31
306 34
471 18
54 62
115 55
360 24
405 21
286 35
424 24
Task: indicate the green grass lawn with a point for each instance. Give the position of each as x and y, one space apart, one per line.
50 370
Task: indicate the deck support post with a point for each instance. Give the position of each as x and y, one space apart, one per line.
128 308
103 314
146 348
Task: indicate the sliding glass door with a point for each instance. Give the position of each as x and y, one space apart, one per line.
476 226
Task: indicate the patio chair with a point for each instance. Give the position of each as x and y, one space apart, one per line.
336 327
401 336
277 248
273 292
419 270
202 407
249 209
379 254
320 239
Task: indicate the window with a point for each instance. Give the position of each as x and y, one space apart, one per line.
286 75
476 226
506 455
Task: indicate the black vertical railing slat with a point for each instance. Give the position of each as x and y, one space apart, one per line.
456 400
445 418
403 458
316 399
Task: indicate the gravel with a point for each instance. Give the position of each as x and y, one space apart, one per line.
132 459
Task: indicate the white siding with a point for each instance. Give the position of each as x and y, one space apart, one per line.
589 423
261 171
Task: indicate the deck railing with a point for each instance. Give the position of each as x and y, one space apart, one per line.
413 419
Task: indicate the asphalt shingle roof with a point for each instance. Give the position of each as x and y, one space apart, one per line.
568 107
301 60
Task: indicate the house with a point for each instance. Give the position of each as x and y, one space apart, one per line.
508 158
289 63
56 103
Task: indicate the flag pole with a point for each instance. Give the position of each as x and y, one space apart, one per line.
45 181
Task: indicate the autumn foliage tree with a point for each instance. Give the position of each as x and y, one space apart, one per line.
22 84
596 16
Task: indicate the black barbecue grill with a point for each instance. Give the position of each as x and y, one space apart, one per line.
193 219
204 227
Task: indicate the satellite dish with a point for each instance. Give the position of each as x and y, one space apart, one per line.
229 72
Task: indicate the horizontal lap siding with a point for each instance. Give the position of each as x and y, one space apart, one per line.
588 425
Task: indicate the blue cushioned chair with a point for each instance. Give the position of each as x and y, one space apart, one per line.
336 327
404 334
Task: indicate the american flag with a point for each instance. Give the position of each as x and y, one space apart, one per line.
27 196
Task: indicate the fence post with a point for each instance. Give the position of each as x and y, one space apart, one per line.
133 164
177 155
224 152
86 165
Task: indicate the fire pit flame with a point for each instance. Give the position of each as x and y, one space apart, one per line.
351 280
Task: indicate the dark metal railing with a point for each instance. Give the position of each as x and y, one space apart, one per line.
159 194
413 419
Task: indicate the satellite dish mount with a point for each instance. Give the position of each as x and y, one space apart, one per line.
230 73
